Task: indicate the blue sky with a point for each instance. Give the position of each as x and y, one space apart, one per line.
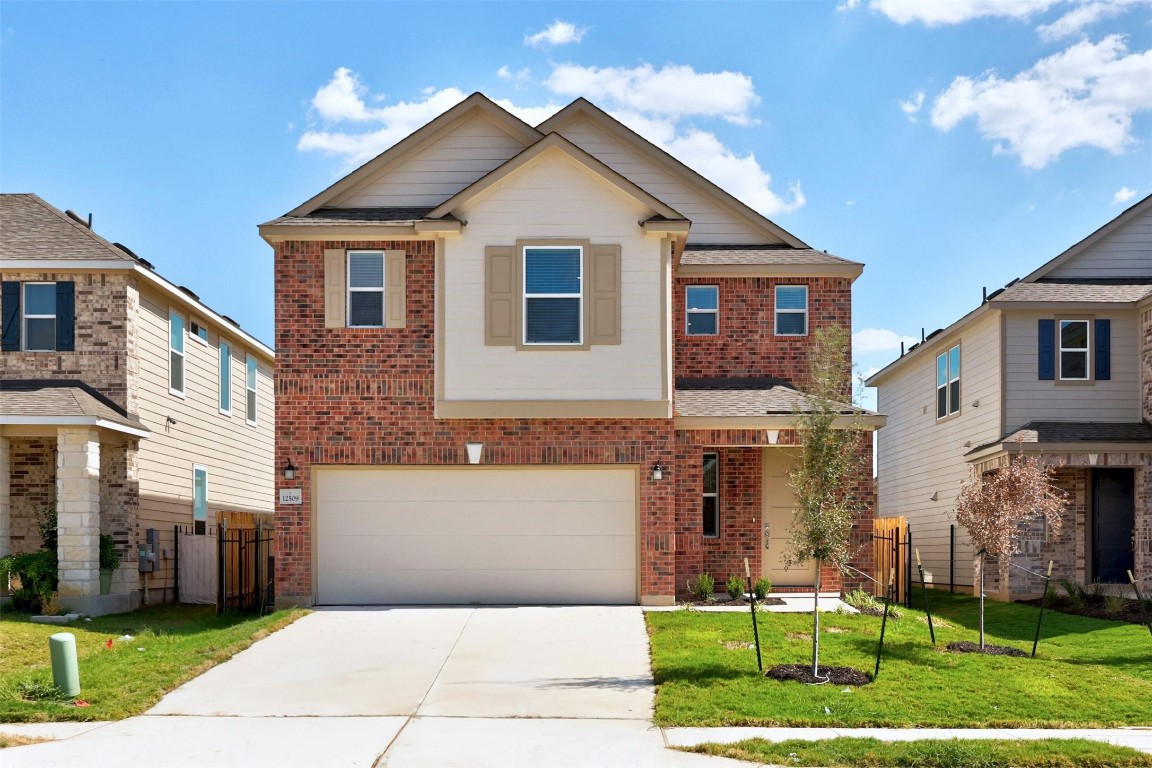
947 145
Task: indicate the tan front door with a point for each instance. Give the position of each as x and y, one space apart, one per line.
777 519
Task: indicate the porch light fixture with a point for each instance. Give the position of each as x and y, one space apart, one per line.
289 470
658 471
475 450
773 436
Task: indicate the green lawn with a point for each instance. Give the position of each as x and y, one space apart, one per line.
170 645
932 753
1088 672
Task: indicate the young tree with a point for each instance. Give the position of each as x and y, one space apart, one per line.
994 507
828 463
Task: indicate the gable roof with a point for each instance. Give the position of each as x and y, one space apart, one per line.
414 142
35 230
1116 223
738 209
554 142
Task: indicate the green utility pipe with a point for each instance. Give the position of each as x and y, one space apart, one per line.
65 672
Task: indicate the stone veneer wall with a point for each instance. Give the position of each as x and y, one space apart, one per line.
33 487
101 357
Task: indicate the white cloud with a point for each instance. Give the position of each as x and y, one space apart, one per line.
1083 96
934 13
1124 194
847 5
505 73
556 33
913 105
869 340
656 103
1083 15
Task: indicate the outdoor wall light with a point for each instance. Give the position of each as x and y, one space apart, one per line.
773 436
658 471
289 470
475 450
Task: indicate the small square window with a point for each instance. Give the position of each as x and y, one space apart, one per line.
791 310
197 331
701 310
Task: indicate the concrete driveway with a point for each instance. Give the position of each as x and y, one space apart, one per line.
406 688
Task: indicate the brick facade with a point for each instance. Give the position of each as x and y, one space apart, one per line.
365 396
32 489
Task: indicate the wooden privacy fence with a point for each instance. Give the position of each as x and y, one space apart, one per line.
229 565
891 550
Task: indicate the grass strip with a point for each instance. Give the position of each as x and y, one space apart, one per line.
932 753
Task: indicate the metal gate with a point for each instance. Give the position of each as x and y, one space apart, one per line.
892 549
245 566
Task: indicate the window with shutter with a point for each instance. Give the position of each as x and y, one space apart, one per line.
553 295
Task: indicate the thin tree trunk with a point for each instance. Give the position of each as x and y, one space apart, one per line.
816 622
981 566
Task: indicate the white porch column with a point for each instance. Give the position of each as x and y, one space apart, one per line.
5 497
78 510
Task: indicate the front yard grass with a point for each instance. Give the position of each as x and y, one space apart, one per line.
170 645
932 753
1087 673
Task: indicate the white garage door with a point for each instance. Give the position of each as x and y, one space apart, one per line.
488 535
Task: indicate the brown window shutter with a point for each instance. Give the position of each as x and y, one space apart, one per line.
335 289
500 300
394 288
604 298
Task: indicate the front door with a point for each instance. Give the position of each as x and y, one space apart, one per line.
777 528
1113 520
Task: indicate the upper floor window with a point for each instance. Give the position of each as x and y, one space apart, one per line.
38 317
553 297
176 353
711 496
701 310
1073 356
250 391
948 383
366 289
791 310
225 378
197 331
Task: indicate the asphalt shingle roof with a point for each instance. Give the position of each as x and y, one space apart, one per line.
32 229
65 397
1076 431
1086 291
708 254
330 216
743 397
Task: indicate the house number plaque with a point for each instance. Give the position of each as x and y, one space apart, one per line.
291 496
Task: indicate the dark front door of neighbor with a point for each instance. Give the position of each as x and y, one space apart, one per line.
1113 518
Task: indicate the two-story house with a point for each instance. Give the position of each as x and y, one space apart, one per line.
544 364
125 402
1058 365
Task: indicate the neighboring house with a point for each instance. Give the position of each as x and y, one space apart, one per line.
124 401
541 364
1058 365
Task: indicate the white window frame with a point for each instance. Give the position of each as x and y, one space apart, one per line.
1061 349
524 296
195 335
778 311
25 317
224 383
350 290
251 382
688 311
950 377
173 314
198 468
713 495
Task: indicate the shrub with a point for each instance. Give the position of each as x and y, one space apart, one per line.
762 587
865 603
701 587
734 587
1095 593
109 557
37 573
1115 603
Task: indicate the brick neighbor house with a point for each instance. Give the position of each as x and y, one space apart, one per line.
1057 365
124 401
544 364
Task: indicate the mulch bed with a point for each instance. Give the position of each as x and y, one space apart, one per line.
991 650
738 601
1094 610
801 673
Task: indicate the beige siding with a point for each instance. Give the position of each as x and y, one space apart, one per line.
238 456
1029 399
439 171
553 197
710 224
918 456
1127 252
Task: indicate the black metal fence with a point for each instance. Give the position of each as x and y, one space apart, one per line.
245 569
